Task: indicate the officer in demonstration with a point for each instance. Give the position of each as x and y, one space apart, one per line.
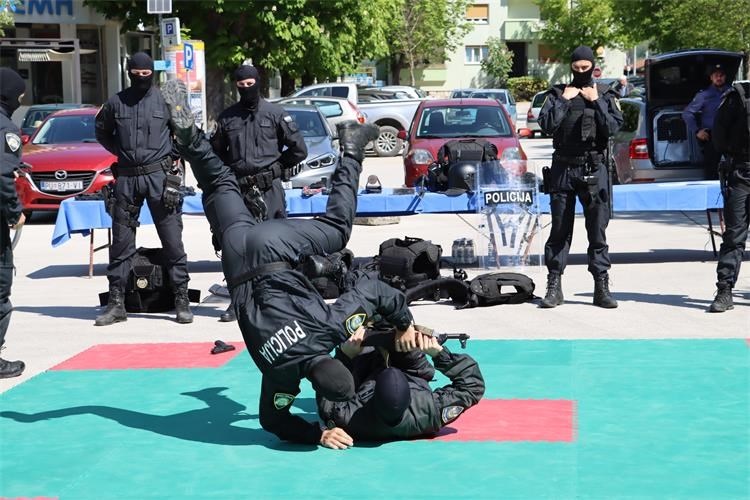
288 328
261 143
581 117
12 88
394 399
134 126
731 136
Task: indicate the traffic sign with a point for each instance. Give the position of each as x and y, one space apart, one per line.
159 6
170 31
188 56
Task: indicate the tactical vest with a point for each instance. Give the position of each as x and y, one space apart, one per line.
460 162
408 262
740 140
485 290
578 131
143 134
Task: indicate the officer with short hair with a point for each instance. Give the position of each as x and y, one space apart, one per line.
12 88
581 117
731 136
288 328
134 126
261 143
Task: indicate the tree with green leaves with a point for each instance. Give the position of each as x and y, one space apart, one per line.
424 31
7 7
498 63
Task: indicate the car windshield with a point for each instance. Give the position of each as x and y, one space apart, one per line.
66 129
539 100
328 108
460 94
491 95
309 123
463 121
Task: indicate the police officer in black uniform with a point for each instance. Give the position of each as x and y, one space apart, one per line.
261 143
288 328
731 136
394 399
134 126
12 88
580 117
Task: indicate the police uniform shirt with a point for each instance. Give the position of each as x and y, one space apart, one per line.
705 102
135 127
248 142
10 205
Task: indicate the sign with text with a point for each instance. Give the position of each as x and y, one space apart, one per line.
195 79
170 32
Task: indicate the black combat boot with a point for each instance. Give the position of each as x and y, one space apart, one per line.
554 295
115 311
723 300
175 94
228 316
182 305
353 138
602 296
10 369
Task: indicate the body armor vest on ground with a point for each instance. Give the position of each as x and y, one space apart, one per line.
408 262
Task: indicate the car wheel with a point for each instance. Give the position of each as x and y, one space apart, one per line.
388 143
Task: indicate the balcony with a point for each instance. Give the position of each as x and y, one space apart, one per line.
521 29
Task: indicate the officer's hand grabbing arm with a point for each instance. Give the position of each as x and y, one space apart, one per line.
408 340
336 439
105 128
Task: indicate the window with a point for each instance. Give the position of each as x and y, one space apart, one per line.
547 54
476 54
478 13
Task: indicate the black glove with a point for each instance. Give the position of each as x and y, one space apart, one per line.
172 195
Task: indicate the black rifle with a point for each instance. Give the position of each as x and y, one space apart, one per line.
385 338
725 169
610 164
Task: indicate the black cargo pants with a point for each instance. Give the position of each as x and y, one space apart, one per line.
6 277
736 221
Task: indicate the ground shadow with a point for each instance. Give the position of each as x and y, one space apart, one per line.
100 270
212 424
657 298
90 313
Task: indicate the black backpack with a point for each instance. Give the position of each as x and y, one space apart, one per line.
485 290
460 162
404 263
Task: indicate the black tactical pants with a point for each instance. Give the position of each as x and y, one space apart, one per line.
6 277
736 221
130 193
711 159
567 184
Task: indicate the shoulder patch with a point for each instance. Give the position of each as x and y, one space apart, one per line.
288 119
354 321
290 123
12 141
617 104
281 400
451 413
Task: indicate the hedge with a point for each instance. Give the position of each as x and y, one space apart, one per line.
524 87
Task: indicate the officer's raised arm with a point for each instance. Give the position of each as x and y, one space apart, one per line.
553 111
105 128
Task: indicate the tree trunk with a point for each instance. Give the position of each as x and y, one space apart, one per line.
307 79
218 94
287 84
395 68
411 72
264 80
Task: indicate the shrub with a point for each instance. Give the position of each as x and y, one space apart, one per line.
524 87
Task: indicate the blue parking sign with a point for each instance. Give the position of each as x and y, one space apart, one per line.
188 56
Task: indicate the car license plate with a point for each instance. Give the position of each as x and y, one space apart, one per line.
286 184
62 186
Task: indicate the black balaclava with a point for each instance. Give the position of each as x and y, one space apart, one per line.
12 88
582 53
141 60
392 395
331 379
248 95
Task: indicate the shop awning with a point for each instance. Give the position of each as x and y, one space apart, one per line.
48 55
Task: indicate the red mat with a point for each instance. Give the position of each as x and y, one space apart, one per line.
138 356
514 420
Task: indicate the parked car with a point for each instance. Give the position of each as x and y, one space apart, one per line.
411 92
36 114
532 116
335 109
502 95
654 144
462 93
322 147
345 90
441 120
63 159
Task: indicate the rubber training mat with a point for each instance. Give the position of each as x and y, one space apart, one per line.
560 419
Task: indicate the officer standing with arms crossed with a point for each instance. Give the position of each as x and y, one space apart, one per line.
12 88
250 138
134 126
581 117
731 136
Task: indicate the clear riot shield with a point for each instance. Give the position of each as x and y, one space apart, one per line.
508 217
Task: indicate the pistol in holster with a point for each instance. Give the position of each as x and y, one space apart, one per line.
110 199
725 171
546 181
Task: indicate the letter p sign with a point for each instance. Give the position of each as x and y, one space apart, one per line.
189 56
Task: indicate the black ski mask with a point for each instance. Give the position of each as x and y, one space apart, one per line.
12 88
248 95
141 60
583 79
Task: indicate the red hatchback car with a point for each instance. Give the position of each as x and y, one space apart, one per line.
441 120
63 159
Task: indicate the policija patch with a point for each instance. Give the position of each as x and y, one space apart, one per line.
281 400
354 321
451 413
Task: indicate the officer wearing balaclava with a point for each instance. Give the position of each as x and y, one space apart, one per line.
261 143
580 116
12 88
134 126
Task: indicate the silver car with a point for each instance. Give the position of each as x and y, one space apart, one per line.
654 144
322 146
532 116
335 109
502 95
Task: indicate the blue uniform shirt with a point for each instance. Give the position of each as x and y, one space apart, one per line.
706 102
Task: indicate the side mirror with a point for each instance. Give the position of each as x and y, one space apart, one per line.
402 135
524 133
25 139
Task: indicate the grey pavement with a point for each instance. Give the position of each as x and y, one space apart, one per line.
663 275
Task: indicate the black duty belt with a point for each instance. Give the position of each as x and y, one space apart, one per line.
163 164
263 179
258 271
591 158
